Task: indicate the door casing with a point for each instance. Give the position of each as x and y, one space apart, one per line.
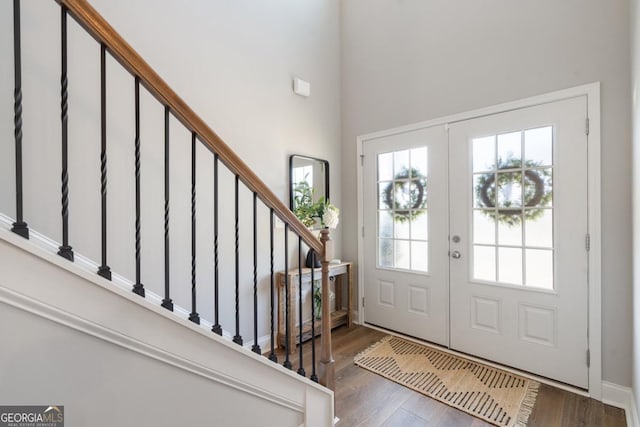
592 92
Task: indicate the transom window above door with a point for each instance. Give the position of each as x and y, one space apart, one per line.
403 231
513 208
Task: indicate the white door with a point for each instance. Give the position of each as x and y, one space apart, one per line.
518 239
510 189
406 268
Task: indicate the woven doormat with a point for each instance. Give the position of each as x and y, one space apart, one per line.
496 396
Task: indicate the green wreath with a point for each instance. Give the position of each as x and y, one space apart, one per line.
534 195
402 212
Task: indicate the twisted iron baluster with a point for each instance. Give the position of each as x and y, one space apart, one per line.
138 288
65 249
19 226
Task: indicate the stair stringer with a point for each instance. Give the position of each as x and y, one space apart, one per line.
43 284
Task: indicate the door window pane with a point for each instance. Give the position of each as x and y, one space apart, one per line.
419 225
510 266
539 268
400 161
419 256
385 224
385 167
539 228
510 148
402 254
385 255
484 263
538 185
538 146
510 190
401 230
385 196
419 160
510 234
484 227
484 195
484 153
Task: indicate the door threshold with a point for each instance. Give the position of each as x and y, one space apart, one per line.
543 380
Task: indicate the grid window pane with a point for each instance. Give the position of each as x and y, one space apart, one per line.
385 252
510 234
385 195
484 195
385 167
419 225
385 224
419 256
510 148
538 185
484 263
538 146
509 190
402 254
484 227
419 160
510 266
539 268
539 228
401 230
484 153
400 161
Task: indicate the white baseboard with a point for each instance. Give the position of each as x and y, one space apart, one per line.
633 418
621 397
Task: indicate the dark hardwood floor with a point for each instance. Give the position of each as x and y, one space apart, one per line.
365 399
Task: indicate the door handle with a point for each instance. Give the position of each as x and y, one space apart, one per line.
456 254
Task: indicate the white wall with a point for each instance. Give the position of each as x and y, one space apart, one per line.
233 63
406 61
101 384
635 87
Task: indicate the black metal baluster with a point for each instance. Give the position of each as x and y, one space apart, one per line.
313 376
166 302
194 316
19 227
272 355
301 368
216 328
237 337
138 288
255 348
65 249
287 330
104 269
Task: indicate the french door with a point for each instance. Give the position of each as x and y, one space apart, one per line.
475 237
406 227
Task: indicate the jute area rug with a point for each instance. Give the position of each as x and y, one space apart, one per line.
495 396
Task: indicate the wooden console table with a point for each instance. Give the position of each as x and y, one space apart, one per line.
341 316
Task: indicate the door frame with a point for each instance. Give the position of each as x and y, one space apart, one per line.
592 92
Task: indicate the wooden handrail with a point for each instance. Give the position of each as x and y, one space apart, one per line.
100 30
103 33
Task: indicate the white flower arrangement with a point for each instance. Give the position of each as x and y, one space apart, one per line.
330 216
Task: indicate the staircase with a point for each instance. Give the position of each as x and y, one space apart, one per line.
147 195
